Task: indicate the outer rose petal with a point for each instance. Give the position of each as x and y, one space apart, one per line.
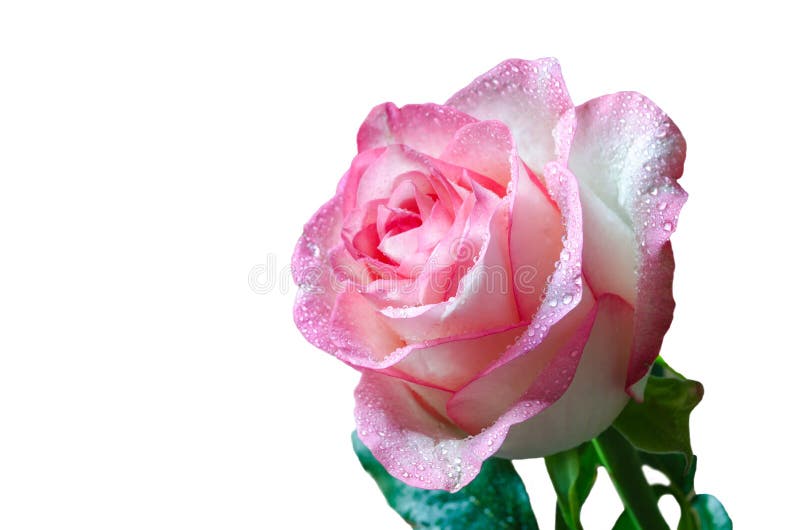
410 439
594 398
328 311
311 272
493 391
405 429
427 128
528 96
419 446
628 155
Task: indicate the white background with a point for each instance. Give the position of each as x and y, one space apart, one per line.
153 153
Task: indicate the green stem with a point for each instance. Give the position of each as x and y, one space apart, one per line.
625 469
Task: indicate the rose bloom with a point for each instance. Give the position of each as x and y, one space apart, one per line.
498 268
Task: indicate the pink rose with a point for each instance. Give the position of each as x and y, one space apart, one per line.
498 268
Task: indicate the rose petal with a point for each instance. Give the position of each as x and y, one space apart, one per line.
427 128
311 271
565 287
450 362
479 303
327 311
439 274
528 96
359 333
485 147
628 156
534 240
493 391
400 246
404 197
435 227
406 434
379 178
348 184
417 444
595 396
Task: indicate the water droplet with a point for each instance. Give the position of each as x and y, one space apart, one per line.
662 206
668 227
552 302
566 299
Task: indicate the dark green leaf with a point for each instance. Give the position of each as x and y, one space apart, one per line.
495 500
624 467
625 523
573 474
673 466
661 423
662 369
561 524
689 518
711 512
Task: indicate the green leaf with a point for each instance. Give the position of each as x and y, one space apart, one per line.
711 512
660 424
653 433
660 368
624 522
624 468
573 474
495 499
674 467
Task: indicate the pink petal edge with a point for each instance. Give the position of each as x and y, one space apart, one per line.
628 155
528 96
427 128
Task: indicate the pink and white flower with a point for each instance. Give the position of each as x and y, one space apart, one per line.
497 267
